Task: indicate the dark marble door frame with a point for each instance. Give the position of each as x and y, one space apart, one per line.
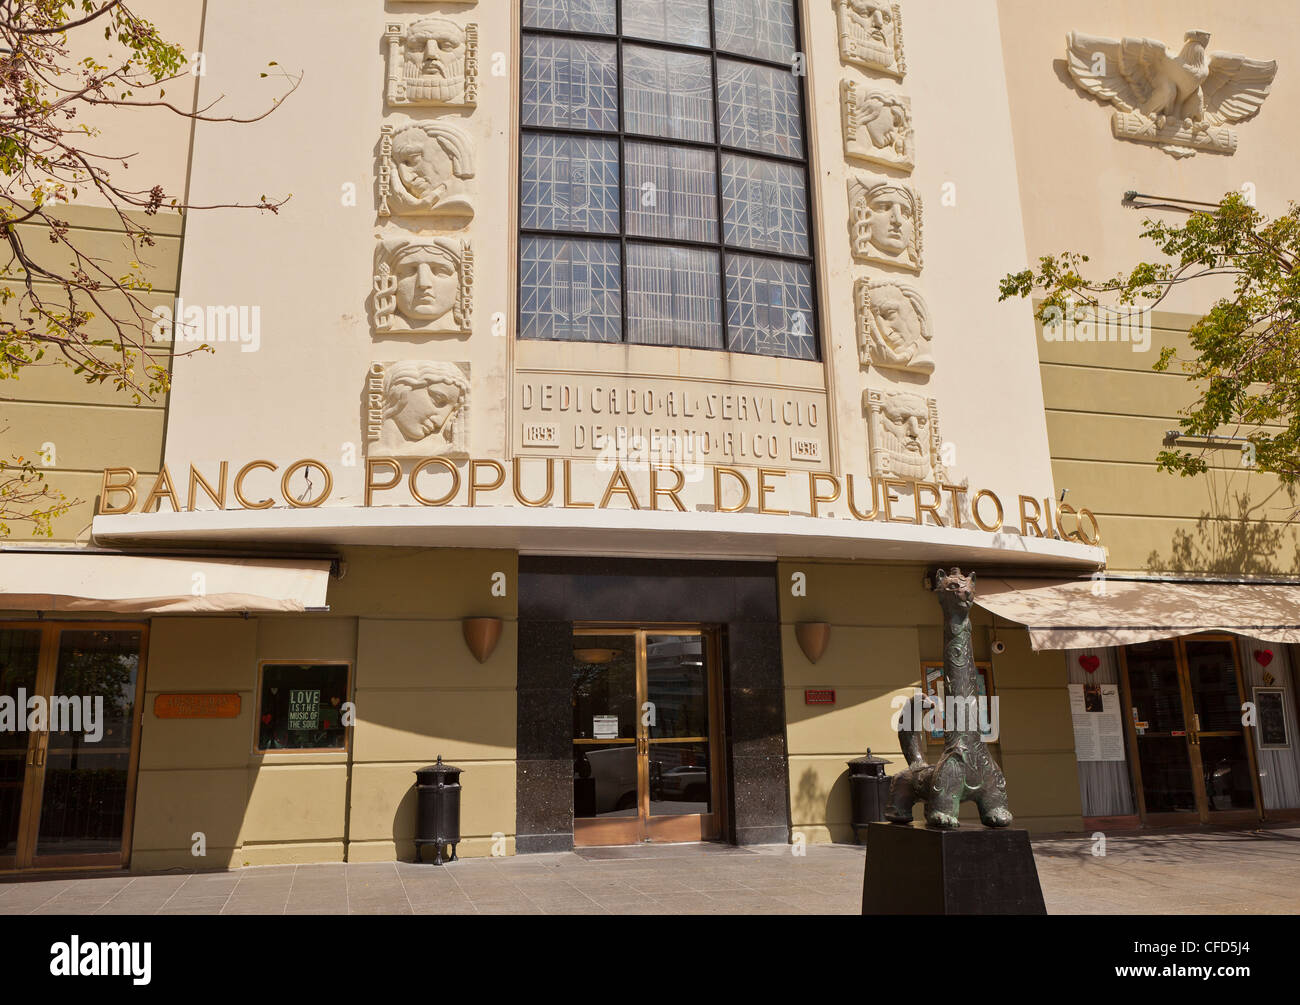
738 597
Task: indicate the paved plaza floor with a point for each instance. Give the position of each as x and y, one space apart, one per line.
1202 872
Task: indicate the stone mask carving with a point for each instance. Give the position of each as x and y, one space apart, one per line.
905 441
894 329
1182 103
871 35
424 284
424 170
877 126
417 408
432 61
885 222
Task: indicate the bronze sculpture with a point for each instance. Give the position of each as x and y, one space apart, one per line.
964 771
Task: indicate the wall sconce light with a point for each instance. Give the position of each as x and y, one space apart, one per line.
812 637
481 636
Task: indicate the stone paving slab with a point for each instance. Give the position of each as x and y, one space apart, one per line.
1200 872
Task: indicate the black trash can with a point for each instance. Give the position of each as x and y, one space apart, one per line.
868 791
437 809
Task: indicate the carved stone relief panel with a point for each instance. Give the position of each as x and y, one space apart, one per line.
871 35
904 434
423 285
877 125
432 61
894 328
885 221
425 169
417 408
1181 102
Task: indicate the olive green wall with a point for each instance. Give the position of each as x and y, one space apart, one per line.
884 624
395 614
1107 413
90 426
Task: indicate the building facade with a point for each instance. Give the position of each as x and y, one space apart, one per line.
595 414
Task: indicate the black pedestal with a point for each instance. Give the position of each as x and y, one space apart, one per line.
913 869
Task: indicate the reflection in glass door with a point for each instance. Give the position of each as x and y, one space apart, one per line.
66 783
645 738
1191 754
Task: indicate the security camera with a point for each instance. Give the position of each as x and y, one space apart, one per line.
999 647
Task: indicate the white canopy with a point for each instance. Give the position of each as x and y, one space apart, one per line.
1082 613
138 584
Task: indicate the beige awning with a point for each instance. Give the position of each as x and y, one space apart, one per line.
138 584
1082 613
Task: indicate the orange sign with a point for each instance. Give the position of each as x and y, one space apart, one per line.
196 706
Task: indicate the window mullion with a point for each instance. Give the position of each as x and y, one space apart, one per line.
717 182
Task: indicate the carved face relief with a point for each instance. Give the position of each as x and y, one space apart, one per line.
424 284
904 431
417 408
424 170
877 126
871 35
432 61
894 328
885 221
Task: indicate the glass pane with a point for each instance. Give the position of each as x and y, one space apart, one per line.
677 688
667 94
758 109
764 205
604 726
673 296
1227 773
761 28
685 22
595 16
769 307
1163 758
20 654
1212 673
670 192
570 84
83 803
569 183
570 290
301 707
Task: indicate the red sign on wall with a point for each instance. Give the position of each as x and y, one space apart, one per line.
824 696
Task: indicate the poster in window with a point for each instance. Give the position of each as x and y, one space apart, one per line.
933 676
304 709
1270 709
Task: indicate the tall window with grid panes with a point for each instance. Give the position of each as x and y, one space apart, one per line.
663 176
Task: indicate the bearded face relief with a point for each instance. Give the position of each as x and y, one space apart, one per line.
904 431
885 222
871 35
424 170
877 126
432 61
894 330
417 408
424 284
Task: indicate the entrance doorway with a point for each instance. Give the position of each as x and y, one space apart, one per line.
646 738
67 780
1192 759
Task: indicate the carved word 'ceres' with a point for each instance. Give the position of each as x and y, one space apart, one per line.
417 408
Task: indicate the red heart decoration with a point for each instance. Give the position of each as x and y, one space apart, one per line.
266 719
1090 662
1263 657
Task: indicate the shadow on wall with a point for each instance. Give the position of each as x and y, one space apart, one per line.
816 806
1240 540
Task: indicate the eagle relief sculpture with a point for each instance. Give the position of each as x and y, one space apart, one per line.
1181 102
965 771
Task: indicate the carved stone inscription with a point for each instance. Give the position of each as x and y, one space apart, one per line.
432 61
417 408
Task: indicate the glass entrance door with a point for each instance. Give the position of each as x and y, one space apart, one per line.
67 761
645 737
1192 759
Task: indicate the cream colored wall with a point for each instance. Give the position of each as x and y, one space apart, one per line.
419 694
884 625
1106 410
93 426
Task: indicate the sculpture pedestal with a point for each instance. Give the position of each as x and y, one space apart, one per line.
913 869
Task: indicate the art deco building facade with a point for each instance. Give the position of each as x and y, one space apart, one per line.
597 410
